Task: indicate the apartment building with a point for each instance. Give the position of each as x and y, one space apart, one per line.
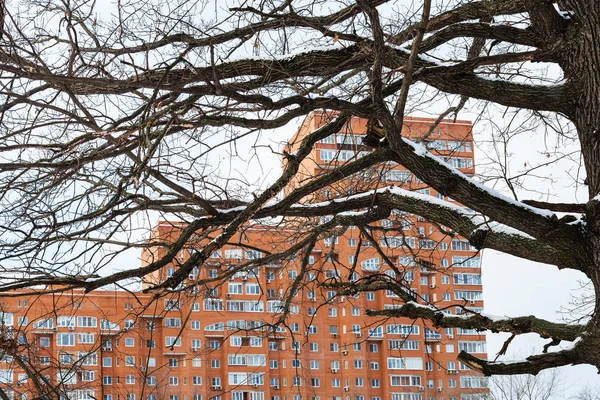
244 329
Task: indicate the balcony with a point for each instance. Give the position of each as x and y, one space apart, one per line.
426 268
432 336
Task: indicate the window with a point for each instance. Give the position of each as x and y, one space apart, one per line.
358 364
107 380
86 322
375 383
474 295
65 321
173 381
129 342
313 346
315 382
196 380
326 155
173 362
129 361
472 347
65 339
476 382
371 264
172 341
215 363
129 379
467 279
466 262
461 245
370 296
374 365
151 381
195 325
253 288
172 323
445 279
296 381
44 341
107 361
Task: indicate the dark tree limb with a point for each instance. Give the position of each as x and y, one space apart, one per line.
532 365
518 325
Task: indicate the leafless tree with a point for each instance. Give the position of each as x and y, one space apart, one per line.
546 385
110 117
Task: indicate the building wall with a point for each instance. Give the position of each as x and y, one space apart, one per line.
233 335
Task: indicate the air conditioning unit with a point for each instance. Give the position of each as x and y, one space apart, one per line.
345 352
195 348
228 295
71 328
334 334
404 335
452 372
107 349
421 388
255 385
358 334
276 387
55 329
313 299
346 389
244 278
471 302
450 336
143 369
439 389
432 286
334 370
216 387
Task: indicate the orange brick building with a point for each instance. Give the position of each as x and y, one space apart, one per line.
276 330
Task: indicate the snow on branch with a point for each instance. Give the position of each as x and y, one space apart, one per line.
481 322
